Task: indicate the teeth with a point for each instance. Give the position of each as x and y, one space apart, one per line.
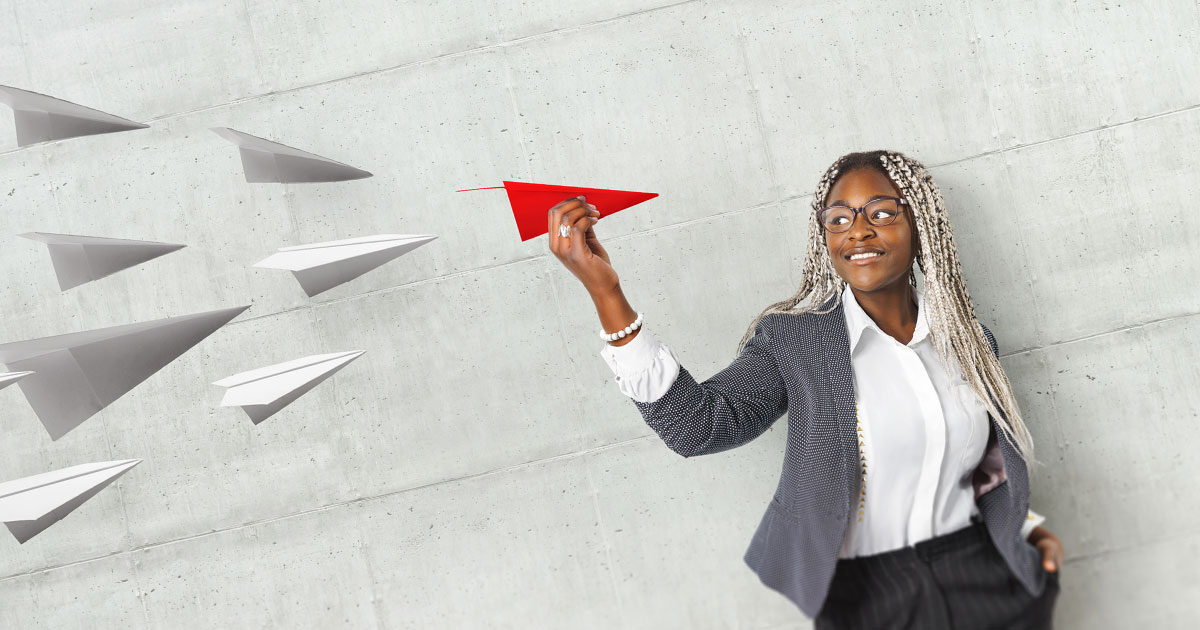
866 255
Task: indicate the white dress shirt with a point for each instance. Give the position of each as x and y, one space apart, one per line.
921 431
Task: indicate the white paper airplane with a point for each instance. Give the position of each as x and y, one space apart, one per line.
41 118
31 504
78 374
322 266
267 161
263 391
8 378
80 259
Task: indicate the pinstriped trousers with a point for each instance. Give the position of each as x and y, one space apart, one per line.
953 581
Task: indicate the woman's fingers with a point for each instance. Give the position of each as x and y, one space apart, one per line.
571 213
1052 553
566 212
555 217
579 250
589 234
579 228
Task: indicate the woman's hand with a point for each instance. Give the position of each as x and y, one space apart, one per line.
1050 547
581 252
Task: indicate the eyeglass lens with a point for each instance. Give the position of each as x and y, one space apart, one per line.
879 213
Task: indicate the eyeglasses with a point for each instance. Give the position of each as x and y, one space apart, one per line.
878 212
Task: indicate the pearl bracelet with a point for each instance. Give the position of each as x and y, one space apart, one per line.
637 323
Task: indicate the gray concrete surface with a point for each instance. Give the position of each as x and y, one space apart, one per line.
478 468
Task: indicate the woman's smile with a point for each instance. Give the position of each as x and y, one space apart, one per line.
865 259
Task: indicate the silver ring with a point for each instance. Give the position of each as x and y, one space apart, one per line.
564 230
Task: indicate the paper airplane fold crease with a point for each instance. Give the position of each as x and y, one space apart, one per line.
263 391
321 266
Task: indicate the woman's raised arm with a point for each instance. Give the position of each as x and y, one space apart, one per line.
727 410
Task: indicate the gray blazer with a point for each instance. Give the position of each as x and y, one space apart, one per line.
800 364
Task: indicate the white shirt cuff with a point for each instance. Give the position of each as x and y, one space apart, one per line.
1032 520
644 368
634 356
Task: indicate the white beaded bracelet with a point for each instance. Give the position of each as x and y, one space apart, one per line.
637 323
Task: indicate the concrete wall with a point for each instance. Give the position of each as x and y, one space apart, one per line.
478 467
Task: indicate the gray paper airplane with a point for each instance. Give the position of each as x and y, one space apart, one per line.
29 505
267 161
81 259
322 266
263 391
78 374
41 118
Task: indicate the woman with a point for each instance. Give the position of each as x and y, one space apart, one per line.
903 502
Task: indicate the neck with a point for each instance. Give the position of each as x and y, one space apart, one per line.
893 308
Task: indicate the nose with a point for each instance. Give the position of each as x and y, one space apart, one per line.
859 226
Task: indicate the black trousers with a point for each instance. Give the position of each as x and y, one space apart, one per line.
953 581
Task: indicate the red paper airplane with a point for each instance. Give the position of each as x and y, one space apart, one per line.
532 202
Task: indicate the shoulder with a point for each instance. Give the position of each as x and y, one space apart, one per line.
795 327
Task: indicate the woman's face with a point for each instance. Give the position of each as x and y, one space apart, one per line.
896 241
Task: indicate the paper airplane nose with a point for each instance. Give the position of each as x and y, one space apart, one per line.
531 202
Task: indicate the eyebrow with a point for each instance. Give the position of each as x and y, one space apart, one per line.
843 202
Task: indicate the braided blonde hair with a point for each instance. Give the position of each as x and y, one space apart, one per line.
950 314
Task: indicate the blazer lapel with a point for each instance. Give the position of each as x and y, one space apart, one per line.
839 388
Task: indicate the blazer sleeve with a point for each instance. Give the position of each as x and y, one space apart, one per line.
727 410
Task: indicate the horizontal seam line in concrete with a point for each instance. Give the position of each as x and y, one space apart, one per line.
399 67
398 287
1078 558
340 504
1016 147
1114 331
510 43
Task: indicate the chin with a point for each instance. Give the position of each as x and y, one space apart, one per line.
868 283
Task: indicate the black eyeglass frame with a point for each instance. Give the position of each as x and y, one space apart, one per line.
854 212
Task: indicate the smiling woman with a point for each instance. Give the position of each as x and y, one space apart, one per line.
928 382
871 367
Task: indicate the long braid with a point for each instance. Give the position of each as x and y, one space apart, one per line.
950 314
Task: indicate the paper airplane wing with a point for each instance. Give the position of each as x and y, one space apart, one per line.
264 391
321 266
80 259
41 118
8 378
78 374
267 161
29 505
530 202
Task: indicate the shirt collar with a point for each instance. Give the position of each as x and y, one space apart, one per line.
857 319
